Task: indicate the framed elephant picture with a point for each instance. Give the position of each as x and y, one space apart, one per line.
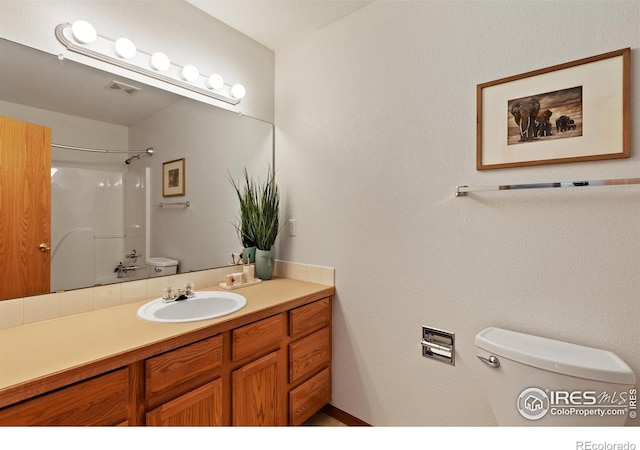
577 111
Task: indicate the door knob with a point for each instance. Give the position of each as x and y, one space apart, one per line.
44 247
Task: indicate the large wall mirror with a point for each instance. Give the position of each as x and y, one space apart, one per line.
106 205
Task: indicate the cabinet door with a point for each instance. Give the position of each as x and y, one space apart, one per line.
200 407
257 393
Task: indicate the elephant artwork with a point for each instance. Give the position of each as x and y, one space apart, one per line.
525 112
565 123
543 124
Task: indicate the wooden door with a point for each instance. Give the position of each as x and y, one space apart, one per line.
201 407
257 398
25 208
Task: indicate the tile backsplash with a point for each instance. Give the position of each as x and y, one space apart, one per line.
23 311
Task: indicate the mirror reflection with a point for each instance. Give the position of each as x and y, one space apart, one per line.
106 221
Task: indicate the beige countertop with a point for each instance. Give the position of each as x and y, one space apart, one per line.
38 350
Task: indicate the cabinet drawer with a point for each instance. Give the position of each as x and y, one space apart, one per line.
257 338
179 370
308 398
309 354
309 318
102 400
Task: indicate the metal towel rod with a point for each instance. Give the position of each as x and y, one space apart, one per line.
185 204
462 191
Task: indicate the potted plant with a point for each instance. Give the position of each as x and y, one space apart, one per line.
260 219
245 225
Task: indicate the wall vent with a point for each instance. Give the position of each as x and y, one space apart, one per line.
122 88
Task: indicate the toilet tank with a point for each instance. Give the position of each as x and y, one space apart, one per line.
159 267
541 381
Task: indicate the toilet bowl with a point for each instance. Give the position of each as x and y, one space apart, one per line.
533 380
160 267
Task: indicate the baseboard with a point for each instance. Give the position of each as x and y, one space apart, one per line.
343 416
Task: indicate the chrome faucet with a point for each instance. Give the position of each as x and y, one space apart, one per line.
133 255
122 270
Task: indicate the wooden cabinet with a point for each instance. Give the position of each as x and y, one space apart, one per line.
308 355
257 338
257 380
103 400
309 397
178 385
257 393
309 368
270 371
200 407
179 371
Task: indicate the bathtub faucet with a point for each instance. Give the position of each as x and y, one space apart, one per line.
122 270
133 255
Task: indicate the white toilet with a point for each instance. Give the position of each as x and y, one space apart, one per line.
533 380
160 267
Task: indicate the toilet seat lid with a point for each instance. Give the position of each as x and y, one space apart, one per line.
556 356
161 262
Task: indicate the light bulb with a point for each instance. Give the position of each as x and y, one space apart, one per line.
238 91
215 81
125 48
83 32
189 73
160 61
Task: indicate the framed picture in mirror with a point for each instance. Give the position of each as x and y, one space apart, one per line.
577 111
173 178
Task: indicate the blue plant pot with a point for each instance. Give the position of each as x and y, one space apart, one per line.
264 264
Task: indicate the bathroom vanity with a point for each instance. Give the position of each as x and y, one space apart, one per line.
267 364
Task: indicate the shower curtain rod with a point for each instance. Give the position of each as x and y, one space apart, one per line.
148 151
461 191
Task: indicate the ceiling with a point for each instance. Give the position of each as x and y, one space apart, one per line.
276 23
73 88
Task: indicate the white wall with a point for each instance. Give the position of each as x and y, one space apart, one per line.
375 123
153 25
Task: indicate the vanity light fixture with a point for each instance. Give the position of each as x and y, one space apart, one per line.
215 81
190 73
238 91
160 61
125 48
81 37
83 32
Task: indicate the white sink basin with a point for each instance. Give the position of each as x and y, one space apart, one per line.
205 305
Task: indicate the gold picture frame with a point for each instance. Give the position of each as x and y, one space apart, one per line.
577 111
173 178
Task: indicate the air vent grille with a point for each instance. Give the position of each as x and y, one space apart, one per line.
122 88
